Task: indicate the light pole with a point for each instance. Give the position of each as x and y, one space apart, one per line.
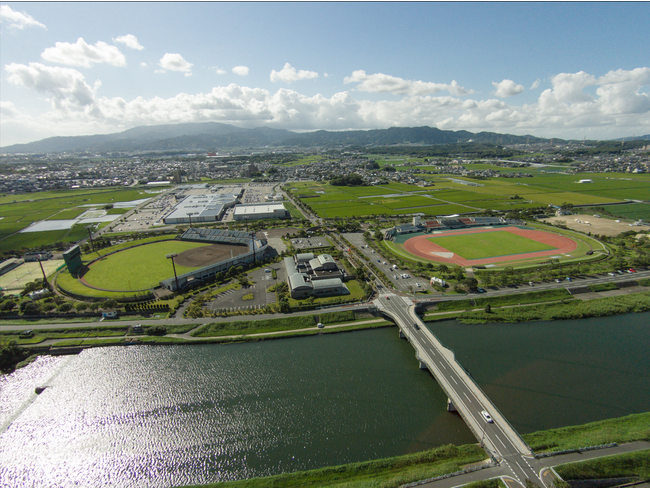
171 256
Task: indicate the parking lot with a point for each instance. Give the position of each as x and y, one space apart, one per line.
310 242
401 279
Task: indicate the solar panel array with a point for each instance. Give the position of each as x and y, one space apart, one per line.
217 235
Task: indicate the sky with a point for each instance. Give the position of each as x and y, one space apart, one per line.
568 70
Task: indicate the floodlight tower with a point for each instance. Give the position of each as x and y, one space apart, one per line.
171 256
252 236
190 216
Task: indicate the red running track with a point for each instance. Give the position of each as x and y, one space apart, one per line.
421 246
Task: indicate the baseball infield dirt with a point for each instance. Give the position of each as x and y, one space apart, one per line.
213 253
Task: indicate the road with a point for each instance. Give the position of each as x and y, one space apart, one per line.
498 437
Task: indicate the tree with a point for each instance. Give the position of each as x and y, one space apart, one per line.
470 283
284 305
7 305
379 236
488 308
30 308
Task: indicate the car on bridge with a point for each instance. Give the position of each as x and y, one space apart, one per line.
487 417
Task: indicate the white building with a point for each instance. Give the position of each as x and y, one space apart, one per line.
263 211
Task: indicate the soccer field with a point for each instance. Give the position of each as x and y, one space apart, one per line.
489 244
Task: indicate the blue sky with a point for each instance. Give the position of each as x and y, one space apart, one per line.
569 70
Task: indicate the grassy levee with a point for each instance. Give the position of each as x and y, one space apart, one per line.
629 465
65 333
387 472
519 298
576 309
396 471
493 483
603 287
635 427
216 329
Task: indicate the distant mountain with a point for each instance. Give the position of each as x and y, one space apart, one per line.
213 136
635 138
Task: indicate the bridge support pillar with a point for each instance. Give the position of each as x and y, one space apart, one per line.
401 334
423 365
450 406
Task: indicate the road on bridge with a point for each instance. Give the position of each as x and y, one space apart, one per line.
498 437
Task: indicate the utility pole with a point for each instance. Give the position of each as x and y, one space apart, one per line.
171 256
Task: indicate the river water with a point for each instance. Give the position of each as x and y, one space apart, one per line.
159 416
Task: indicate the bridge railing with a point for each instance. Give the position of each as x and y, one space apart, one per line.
482 392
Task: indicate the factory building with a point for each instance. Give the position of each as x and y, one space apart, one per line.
201 208
263 211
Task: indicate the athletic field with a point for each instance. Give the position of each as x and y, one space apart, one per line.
489 244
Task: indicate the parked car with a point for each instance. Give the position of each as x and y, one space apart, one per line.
480 290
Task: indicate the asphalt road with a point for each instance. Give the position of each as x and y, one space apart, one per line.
498 437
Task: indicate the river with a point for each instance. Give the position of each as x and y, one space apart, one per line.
159 416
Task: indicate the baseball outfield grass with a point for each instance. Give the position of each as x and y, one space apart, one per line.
138 268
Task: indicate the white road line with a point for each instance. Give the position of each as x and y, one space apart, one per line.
467 397
499 439
454 380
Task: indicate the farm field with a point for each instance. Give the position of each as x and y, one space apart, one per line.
138 268
20 211
489 244
632 211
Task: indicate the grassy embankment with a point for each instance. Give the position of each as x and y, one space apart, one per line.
505 301
576 309
396 471
634 465
213 332
266 326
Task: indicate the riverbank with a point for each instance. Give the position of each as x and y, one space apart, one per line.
501 309
396 471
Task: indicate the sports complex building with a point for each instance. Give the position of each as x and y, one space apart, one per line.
311 275
257 251
445 223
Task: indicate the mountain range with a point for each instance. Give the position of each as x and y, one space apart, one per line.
217 137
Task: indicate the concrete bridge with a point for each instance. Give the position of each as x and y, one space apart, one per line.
504 445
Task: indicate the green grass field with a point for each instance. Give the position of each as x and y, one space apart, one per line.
489 244
19 211
138 268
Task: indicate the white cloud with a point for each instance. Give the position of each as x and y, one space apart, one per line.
535 84
143 64
8 109
616 107
219 71
83 54
381 83
507 88
67 87
18 20
175 62
289 74
240 70
130 41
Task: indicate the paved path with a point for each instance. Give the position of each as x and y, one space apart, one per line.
542 466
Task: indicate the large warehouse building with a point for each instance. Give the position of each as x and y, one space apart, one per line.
201 208
264 211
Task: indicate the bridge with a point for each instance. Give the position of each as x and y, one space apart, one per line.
504 445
